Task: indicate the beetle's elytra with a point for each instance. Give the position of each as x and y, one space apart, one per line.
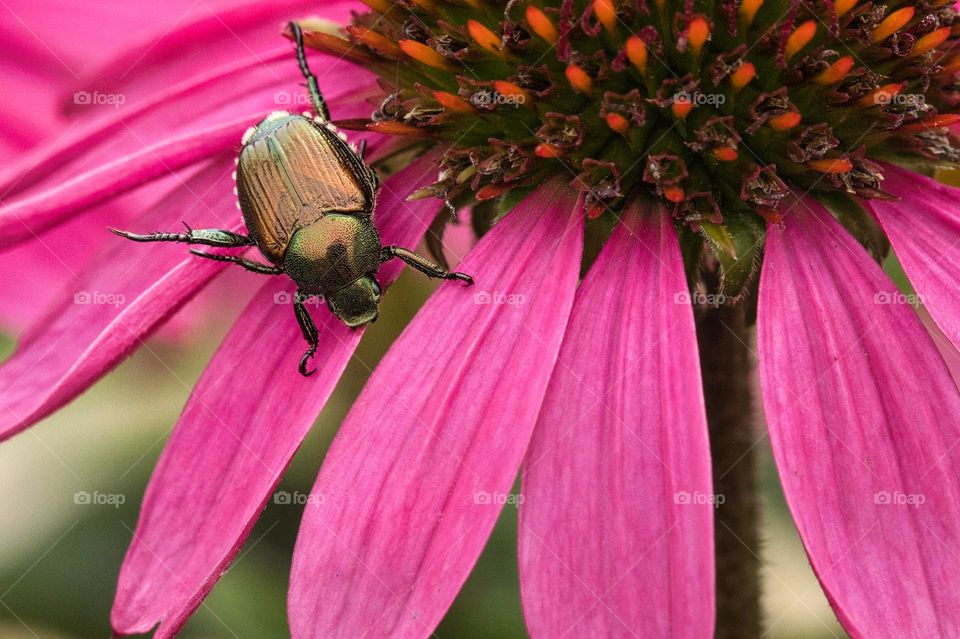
307 199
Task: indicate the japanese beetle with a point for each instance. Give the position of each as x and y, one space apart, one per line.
307 199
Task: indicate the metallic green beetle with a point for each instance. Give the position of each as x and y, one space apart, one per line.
307 199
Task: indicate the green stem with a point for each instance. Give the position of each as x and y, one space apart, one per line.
726 343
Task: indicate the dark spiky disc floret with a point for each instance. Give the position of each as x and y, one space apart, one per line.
718 108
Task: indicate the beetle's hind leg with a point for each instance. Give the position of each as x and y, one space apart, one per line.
209 237
319 104
309 330
422 264
250 265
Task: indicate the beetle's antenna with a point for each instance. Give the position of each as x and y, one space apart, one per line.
319 104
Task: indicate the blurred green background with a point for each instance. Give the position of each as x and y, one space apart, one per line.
59 560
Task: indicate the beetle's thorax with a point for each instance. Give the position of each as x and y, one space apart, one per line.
332 253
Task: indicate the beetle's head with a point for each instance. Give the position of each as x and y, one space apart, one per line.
356 303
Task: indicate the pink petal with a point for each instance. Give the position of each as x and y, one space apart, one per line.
397 518
616 526
949 352
25 217
865 425
924 228
256 85
54 260
39 57
243 440
113 306
39 27
24 123
206 37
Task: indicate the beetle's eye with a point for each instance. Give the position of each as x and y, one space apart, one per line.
376 288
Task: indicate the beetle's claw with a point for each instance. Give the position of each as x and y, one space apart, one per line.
136 237
303 362
463 277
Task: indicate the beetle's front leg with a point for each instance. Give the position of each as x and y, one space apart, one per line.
209 237
422 264
313 87
309 330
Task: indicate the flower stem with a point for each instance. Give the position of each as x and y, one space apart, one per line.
726 357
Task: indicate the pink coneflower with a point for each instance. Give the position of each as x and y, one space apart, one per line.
706 165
